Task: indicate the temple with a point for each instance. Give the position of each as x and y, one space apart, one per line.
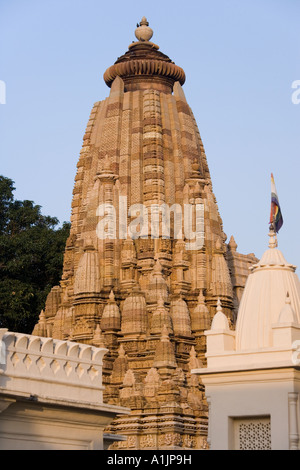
252 374
147 296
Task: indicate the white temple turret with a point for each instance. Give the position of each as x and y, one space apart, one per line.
252 379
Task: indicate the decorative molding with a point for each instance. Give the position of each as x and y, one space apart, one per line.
53 369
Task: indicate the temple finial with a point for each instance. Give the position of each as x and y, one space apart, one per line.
273 243
143 32
111 296
232 244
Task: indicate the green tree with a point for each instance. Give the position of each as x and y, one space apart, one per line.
31 259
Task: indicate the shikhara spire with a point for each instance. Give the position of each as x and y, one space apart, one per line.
148 300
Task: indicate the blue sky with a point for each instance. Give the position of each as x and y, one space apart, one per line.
240 58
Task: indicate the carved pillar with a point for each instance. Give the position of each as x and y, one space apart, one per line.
293 421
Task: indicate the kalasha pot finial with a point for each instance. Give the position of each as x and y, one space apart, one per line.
143 32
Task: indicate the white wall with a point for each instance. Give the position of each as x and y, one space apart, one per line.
260 397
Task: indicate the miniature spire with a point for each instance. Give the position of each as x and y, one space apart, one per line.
121 351
200 317
161 317
220 321
165 334
111 317
232 243
134 315
165 353
157 286
201 298
120 367
194 362
287 314
42 316
98 338
112 296
180 316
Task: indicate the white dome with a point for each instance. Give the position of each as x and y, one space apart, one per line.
264 298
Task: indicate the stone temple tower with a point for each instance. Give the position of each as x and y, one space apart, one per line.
146 295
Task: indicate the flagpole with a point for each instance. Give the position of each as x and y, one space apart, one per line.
276 220
272 232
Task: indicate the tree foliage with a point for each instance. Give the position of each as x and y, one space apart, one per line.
31 259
